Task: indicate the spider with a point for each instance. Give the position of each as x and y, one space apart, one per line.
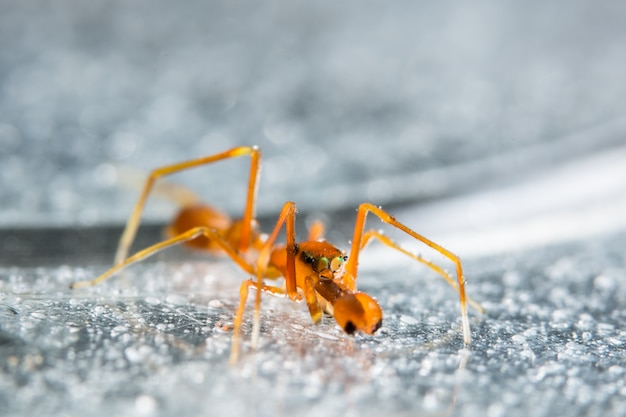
313 270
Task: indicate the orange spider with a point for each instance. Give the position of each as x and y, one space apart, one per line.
314 270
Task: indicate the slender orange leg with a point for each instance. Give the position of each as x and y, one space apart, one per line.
243 298
371 234
249 214
176 193
316 231
314 309
353 260
183 237
287 217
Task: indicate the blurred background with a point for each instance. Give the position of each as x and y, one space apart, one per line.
491 127
394 104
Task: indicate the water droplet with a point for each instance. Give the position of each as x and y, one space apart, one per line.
146 405
409 320
217 304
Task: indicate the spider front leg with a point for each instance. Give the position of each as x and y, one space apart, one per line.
243 298
358 243
314 308
286 218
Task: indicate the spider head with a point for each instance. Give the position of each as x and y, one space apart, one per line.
328 263
358 312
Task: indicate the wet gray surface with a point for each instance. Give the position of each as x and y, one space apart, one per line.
152 343
496 129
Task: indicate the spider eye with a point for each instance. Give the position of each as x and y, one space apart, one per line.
322 264
307 258
336 263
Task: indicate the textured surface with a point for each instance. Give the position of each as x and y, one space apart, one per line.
552 342
497 129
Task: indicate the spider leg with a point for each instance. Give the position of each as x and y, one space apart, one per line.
357 239
316 231
243 298
311 300
374 234
287 218
183 237
177 194
128 236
